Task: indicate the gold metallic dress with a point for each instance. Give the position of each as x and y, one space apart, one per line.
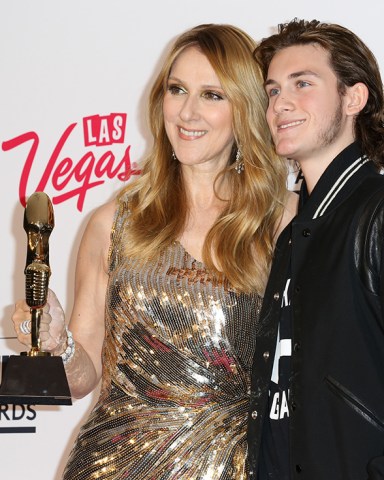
177 359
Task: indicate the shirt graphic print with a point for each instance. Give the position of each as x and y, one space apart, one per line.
274 462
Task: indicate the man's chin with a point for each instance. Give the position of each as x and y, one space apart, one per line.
283 151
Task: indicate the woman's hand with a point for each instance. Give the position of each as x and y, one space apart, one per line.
53 337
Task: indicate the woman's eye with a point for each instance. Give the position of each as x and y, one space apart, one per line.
175 90
213 96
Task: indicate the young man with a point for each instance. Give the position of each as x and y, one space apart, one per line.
317 402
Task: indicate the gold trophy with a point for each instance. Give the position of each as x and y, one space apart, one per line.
36 377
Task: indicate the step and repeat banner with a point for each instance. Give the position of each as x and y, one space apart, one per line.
74 81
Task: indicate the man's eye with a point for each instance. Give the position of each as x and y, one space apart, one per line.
302 83
272 92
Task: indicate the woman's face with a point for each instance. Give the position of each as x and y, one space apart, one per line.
197 114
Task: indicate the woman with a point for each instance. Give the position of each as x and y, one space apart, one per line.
170 277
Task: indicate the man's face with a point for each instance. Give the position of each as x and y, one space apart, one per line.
306 113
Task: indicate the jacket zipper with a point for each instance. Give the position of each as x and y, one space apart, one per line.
354 402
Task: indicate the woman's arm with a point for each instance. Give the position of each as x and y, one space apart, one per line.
87 322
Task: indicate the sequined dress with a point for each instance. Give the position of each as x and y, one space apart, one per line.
177 358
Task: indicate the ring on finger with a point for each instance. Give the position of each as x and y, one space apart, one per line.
25 327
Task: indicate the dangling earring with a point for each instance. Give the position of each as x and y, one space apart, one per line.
174 156
239 164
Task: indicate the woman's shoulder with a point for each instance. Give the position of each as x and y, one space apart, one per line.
291 204
104 215
290 211
100 225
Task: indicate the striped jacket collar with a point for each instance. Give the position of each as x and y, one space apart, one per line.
339 179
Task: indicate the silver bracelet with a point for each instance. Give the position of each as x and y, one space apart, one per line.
70 350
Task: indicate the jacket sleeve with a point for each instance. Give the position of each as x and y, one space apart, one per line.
369 247
376 468
369 257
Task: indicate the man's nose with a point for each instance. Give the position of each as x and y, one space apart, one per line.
283 102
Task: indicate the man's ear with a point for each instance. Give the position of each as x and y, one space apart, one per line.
356 98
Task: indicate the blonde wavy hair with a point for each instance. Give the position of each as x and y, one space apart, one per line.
242 237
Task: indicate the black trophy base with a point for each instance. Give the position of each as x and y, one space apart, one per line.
34 380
